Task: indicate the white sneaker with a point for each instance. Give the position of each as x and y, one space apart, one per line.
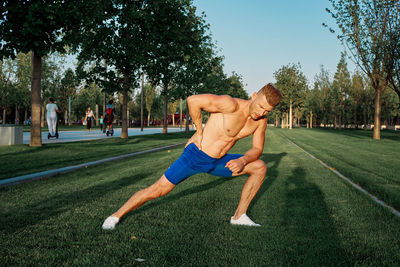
244 220
110 223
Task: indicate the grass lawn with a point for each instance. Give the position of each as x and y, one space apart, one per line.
373 164
22 159
309 216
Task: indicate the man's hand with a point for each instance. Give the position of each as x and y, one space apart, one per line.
236 165
197 138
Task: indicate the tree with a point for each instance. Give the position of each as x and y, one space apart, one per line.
341 84
292 83
150 93
68 87
18 88
88 96
356 92
6 72
365 31
119 37
172 108
235 87
42 27
393 49
176 33
324 85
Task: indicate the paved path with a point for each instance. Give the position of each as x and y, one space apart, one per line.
73 136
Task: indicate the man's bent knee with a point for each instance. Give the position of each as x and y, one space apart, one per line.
161 187
258 167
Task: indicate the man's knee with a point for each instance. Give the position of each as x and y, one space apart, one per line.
259 167
160 188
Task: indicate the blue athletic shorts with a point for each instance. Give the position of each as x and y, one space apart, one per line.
194 161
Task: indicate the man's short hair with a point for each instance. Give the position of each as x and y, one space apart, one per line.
110 102
51 99
272 94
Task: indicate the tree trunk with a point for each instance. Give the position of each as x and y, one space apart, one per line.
365 116
287 119
43 119
340 121
4 115
148 119
311 119
165 126
128 119
25 116
141 105
124 130
180 118
104 94
377 115
36 131
97 114
344 116
355 116
66 117
16 115
290 115
187 117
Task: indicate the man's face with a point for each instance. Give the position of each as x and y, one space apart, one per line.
259 106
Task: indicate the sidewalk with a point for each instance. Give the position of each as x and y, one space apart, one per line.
73 136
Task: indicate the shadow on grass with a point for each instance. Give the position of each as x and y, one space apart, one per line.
272 173
311 237
170 198
34 213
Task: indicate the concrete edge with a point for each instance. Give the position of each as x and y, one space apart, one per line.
49 173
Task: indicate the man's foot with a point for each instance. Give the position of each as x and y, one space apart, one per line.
110 223
244 220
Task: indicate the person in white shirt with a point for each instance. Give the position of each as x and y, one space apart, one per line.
89 118
52 111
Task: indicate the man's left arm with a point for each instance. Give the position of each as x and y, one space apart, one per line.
237 165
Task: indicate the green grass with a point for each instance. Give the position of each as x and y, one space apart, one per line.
23 159
373 164
309 217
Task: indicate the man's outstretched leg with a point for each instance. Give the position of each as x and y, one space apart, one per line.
158 189
257 171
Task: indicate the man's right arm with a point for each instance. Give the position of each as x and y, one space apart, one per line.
210 103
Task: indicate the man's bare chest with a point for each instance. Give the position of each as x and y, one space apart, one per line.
233 125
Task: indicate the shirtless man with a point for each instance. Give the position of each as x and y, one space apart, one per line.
231 119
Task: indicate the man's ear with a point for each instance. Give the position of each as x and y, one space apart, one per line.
254 95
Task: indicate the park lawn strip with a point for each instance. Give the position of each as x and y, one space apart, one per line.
22 159
372 164
308 217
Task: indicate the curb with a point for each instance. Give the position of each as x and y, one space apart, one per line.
46 174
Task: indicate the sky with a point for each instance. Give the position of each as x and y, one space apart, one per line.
258 37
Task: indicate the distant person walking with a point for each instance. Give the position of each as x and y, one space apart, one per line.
52 110
109 117
89 118
101 121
